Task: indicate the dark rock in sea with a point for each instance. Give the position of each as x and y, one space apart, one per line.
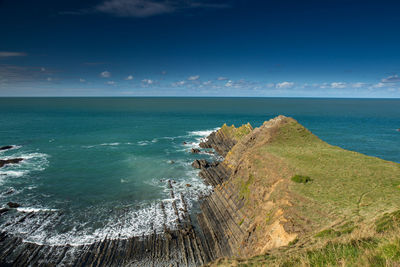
10 191
5 147
184 143
171 162
205 144
188 185
13 205
10 161
200 163
195 151
3 210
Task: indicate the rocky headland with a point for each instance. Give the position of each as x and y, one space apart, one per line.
281 197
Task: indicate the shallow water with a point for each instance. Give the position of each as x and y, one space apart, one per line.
98 167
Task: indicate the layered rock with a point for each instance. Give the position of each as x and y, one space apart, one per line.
225 138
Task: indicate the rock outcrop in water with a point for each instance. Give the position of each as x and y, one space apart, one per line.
5 147
10 161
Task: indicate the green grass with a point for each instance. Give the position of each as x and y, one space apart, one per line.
388 221
245 187
236 133
301 179
344 183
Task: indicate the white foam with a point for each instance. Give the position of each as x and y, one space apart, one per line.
13 147
31 162
110 144
200 136
13 173
203 133
29 210
143 143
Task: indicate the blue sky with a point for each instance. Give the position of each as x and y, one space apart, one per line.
330 48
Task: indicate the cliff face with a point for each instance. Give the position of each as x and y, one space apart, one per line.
258 205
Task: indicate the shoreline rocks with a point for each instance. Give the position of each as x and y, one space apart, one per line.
195 151
13 205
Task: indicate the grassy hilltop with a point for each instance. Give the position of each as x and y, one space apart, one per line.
308 203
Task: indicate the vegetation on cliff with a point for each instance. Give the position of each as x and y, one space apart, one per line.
306 202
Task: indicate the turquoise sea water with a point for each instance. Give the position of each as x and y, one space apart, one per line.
98 167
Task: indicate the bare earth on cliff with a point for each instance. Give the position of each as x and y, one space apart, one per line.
337 196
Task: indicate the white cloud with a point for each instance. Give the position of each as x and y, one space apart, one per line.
129 78
391 79
105 74
147 81
284 85
164 72
207 83
148 8
378 85
229 84
357 85
42 69
194 78
11 54
135 8
49 79
82 80
222 78
338 85
179 83
111 83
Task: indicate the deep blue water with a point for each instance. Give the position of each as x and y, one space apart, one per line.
98 167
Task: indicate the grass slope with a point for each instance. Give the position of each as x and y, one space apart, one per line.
345 214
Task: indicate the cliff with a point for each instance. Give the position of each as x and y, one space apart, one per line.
281 193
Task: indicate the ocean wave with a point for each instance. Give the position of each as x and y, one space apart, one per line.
143 143
13 173
203 133
13 147
121 223
31 162
29 210
200 136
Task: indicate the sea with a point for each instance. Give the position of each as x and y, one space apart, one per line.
98 168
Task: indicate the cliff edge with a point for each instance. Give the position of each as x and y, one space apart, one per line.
282 191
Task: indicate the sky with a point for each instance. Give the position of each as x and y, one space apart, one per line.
269 48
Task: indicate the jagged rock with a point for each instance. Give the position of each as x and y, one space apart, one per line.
195 151
13 205
5 147
10 191
200 163
184 143
10 161
171 162
188 185
3 210
205 144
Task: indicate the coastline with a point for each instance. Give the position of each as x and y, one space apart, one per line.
255 208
